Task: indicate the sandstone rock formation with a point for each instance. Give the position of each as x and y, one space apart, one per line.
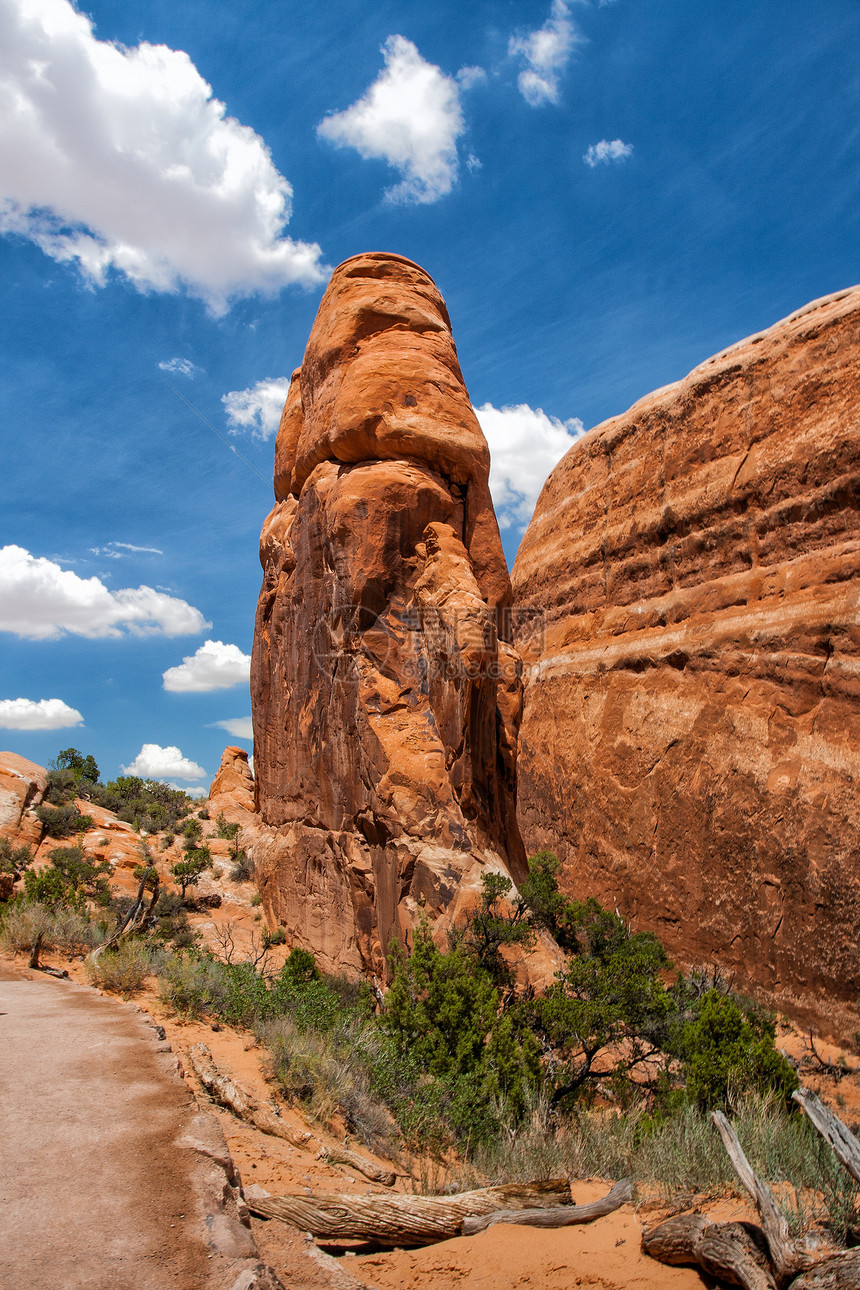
691 734
232 791
385 694
22 785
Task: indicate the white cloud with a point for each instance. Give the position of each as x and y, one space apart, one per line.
607 150
155 762
215 666
410 117
181 367
546 52
525 444
117 550
37 714
257 409
41 601
120 158
238 727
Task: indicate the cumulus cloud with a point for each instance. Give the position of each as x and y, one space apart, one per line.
410 117
525 444
181 367
257 409
155 762
546 53
215 666
41 601
37 714
238 727
120 159
607 150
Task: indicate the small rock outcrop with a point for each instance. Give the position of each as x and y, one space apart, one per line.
22 786
385 692
691 734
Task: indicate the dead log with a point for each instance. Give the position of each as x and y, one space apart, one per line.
838 1136
226 1092
561 1216
732 1252
343 1156
787 1257
136 918
838 1272
401 1220
35 950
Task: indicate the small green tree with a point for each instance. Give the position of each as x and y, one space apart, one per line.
83 768
726 1050
191 868
71 879
493 924
14 860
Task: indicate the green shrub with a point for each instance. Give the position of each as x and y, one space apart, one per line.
123 970
60 821
223 829
71 879
243 868
726 1051
14 860
66 929
190 869
147 804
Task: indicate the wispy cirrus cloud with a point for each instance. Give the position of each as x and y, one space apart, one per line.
120 159
39 600
411 117
257 410
181 367
546 53
121 550
607 151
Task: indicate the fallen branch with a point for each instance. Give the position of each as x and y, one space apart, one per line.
838 1272
837 1135
835 1069
231 1095
401 1220
786 1256
560 1216
343 1156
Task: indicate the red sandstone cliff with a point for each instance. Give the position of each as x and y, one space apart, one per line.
691 734
385 703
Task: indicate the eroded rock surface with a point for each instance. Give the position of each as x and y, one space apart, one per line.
691 736
22 786
385 696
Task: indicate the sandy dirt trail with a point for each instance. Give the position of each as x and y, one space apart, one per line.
103 1171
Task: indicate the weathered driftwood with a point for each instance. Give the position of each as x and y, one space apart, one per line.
402 1220
343 1156
845 1146
786 1256
560 1216
138 914
838 1272
733 1252
222 1089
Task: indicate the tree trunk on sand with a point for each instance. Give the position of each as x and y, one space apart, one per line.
402 1220
226 1092
732 1252
562 1216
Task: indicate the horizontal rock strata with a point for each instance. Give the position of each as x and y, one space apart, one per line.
385 696
691 734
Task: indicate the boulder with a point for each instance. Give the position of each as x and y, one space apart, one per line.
690 743
385 689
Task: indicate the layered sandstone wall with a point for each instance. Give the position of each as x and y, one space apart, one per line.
385 697
691 735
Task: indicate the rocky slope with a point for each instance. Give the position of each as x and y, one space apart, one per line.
385 696
690 740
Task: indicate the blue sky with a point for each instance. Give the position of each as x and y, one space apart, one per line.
606 194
